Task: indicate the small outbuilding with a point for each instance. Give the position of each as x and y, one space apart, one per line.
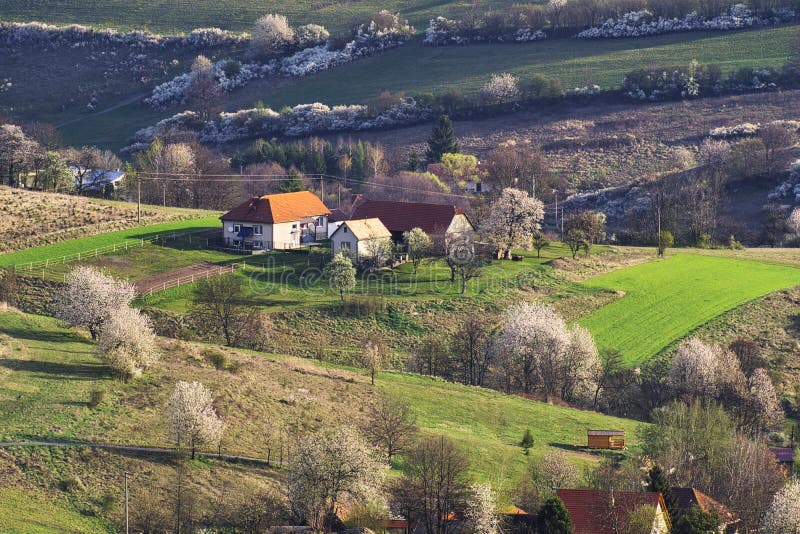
606 439
362 239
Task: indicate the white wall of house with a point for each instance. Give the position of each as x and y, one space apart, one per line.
272 236
262 233
345 241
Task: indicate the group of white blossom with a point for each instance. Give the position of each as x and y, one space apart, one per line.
48 36
748 129
442 31
788 189
643 23
367 42
680 83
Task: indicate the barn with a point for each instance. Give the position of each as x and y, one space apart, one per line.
606 439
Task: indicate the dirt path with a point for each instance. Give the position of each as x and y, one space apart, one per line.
122 103
180 276
136 448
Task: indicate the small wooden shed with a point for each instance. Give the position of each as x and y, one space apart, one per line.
606 439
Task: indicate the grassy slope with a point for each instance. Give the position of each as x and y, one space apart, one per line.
415 68
184 15
88 244
47 373
22 513
666 300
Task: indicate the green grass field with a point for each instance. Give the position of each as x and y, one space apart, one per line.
184 15
666 300
88 244
577 63
24 513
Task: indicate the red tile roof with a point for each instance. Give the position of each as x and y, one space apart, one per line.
590 510
686 497
283 207
404 216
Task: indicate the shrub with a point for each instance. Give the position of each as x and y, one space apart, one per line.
217 359
96 398
527 440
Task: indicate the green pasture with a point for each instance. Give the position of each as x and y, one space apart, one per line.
87 245
664 301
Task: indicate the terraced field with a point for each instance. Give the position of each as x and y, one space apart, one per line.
666 300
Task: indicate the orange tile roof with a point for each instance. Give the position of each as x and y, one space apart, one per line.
279 208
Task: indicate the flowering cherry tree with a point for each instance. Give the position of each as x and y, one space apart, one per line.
783 516
90 298
127 343
513 219
193 420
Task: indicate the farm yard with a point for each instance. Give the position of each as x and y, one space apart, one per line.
663 302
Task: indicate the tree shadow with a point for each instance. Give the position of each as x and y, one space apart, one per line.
794 325
57 370
47 336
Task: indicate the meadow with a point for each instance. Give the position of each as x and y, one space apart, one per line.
576 63
132 236
664 301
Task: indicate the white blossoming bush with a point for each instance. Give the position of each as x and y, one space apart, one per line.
50 37
300 120
370 39
642 23
442 31
748 129
789 189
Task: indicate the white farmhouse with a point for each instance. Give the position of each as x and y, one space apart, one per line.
276 222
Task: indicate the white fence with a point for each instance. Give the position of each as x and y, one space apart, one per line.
194 277
100 251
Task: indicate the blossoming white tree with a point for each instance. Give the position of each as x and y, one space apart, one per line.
766 406
513 219
702 370
783 516
545 354
794 221
193 420
127 342
272 33
341 274
500 88
481 509
90 297
419 245
328 469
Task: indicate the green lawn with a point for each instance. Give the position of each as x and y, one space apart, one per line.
666 300
490 425
88 244
415 68
22 513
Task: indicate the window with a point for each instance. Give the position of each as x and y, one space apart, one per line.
345 245
294 227
320 222
257 245
257 229
237 228
344 229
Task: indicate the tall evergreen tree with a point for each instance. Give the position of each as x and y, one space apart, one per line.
442 140
293 183
657 482
359 161
554 517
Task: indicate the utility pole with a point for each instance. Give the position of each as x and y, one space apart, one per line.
127 524
562 224
138 198
555 192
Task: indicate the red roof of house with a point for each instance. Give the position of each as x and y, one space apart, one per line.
283 207
590 510
605 432
686 497
405 216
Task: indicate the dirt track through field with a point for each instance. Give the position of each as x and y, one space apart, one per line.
183 275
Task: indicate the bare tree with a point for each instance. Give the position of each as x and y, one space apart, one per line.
204 95
517 167
513 218
127 342
434 484
775 137
90 297
219 303
193 420
372 358
328 469
471 349
390 425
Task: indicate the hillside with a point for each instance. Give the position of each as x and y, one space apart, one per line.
184 15
30 219
38 358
